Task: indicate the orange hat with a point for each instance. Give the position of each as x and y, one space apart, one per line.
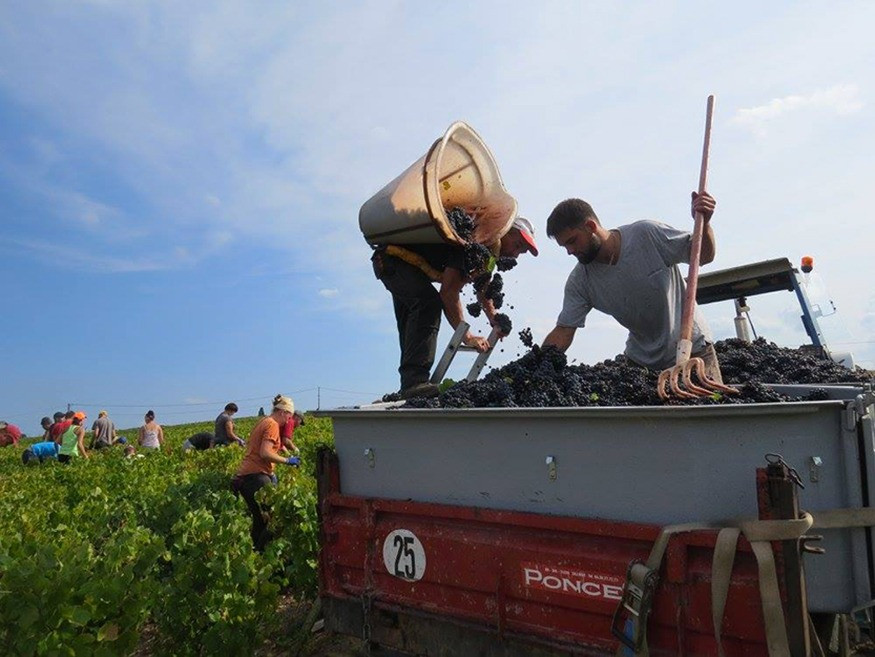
79 415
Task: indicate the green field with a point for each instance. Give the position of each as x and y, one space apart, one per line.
116 556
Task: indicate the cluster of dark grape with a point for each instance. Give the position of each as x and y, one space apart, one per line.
476 257
503 322
542 378
494 291
462 223
481 282
526 337
505 263
764 361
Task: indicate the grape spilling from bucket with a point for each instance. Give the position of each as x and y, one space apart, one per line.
477 258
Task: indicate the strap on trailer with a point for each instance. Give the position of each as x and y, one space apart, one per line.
634 606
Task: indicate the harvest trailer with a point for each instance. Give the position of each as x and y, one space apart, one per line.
512 531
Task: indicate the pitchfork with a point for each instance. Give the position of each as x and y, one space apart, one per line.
685 365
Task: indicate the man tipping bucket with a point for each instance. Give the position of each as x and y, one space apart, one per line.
417 244
418 304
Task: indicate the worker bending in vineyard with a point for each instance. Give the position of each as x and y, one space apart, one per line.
257 468
72 445
103 431
287 433
224 427
631 273
59 426
40 452
9 434
409 272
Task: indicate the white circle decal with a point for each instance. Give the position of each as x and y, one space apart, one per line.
404 555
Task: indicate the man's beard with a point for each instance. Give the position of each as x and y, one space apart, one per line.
595 245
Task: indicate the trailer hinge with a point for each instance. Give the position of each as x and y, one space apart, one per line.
865 401
859 408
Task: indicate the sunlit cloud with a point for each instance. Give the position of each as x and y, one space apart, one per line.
840 100
329 293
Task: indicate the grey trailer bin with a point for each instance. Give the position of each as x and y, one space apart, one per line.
655 465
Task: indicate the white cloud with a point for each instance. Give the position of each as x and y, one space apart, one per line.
329 293
842 99
65 257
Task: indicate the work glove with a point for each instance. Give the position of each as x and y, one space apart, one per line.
293 460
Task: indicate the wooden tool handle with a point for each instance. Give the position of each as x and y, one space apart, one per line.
698 228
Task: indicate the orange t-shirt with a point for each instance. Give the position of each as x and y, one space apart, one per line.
268 430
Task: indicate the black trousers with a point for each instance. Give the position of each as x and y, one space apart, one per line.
418 310
247 486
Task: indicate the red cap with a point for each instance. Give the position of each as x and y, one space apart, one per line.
524 226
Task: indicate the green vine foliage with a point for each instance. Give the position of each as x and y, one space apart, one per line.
92 552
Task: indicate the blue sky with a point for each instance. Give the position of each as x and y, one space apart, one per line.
180 182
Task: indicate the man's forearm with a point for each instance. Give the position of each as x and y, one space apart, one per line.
709 245
560 337
452 307
487 305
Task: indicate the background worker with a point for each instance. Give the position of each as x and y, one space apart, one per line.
73 439
200 441
59 426
46 424
224 427
287 433
9 434
631 273
40 452
418 305
150 435
257 468
104 433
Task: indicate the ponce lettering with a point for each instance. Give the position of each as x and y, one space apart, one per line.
571 583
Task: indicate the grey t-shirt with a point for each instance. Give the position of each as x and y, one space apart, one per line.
643 290
222 437
104 430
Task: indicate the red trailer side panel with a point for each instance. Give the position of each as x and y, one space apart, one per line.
549 582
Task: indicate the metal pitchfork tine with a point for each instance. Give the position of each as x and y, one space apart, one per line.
685 366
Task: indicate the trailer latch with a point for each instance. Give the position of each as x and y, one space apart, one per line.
631 614
550 462
814 465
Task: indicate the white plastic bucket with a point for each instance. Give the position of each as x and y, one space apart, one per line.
457 171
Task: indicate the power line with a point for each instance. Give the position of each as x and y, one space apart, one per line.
194 406
351 392
206 403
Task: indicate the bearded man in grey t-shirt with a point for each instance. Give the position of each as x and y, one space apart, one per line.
631 273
